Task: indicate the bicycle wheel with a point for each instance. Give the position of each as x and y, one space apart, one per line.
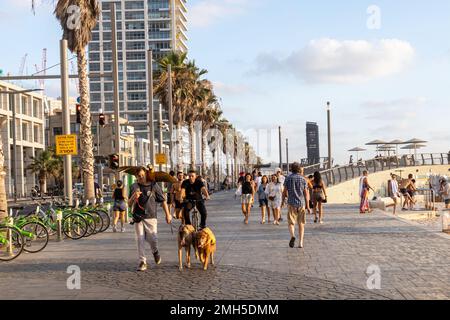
39 240
74 226
91 225
195 220
106 220
98 221
11 243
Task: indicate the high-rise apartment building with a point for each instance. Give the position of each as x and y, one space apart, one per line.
159 25
312 142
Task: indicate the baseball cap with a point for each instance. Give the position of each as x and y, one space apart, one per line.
277 169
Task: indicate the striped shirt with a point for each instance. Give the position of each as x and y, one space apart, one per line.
296 185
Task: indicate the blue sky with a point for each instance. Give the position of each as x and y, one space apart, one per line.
278 62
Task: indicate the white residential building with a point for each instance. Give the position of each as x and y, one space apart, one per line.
159 25
29 125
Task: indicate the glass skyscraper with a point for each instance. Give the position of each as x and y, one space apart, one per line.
312 142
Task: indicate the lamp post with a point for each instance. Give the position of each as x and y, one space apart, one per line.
13 109
279 146
151 130
287 155
329 138
115 74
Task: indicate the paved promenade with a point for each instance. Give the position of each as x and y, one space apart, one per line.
252 262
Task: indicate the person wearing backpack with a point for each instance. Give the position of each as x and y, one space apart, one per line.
144 199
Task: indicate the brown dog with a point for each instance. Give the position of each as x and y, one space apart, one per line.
206 246
186 238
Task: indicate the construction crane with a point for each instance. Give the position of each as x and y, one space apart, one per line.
43 70
22 64
44 67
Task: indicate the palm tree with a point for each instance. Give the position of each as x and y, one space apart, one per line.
78 39
180 92
208 115
44 164
202 96
185 75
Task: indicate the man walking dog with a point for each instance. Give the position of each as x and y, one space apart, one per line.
144 199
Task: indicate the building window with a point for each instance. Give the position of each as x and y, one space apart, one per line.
136 75
135 35
136 86
95 86
134 15
139 55
135 45
135 25
24 105
134 5
137 106
37 135
25 132
36 109
137 117
140 65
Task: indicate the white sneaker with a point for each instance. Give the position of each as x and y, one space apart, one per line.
114 229
122 229
142 266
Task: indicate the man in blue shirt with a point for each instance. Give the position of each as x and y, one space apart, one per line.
296 191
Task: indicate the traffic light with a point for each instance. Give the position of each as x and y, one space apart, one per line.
78 107
114 161
101 119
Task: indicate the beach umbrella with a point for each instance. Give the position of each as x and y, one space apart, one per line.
413 147
376 143
396 142
386 148
357 150
416 142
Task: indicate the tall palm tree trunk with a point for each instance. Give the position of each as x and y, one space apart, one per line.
3 200
180 148
203 150
192 143
86 147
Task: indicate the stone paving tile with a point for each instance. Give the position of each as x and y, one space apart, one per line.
252 258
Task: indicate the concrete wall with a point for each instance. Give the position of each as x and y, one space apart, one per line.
348 192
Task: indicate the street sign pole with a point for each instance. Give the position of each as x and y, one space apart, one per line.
115 72
66 120
151 130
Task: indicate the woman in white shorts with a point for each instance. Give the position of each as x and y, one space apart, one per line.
274 193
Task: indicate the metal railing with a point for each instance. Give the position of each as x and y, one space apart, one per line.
341 174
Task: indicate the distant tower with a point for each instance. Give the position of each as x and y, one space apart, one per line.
312 142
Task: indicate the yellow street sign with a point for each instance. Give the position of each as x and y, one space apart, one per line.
161 158
66 144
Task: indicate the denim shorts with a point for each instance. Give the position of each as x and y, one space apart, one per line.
263 202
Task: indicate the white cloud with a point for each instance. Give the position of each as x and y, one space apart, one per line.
230 89
333 61
398 103
206 12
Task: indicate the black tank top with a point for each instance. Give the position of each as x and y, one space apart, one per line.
247 188
118 195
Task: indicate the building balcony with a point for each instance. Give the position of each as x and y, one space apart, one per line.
182 4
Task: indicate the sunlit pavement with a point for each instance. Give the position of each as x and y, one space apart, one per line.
340 260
